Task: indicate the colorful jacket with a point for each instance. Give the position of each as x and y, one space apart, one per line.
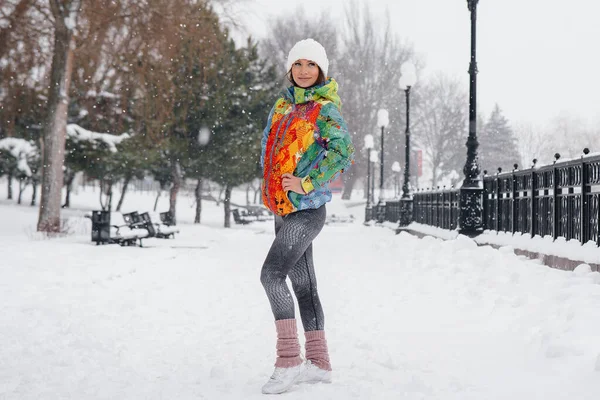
306 136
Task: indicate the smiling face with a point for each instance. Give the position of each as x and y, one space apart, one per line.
305 73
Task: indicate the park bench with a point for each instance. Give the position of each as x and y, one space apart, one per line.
112 227
167 218
241 219
337 218
249 214
259 213
162 230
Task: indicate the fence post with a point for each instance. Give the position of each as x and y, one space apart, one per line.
555 198
498 204
514 201
533 208
584 209
484 205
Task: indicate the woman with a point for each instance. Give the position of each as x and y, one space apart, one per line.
305 146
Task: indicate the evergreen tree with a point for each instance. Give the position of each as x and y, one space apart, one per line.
498 144
245 94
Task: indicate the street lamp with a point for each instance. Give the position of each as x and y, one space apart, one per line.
374 157
369 144
471 220
383 121
396 169
408 78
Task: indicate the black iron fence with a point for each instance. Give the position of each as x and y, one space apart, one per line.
557 200
437 208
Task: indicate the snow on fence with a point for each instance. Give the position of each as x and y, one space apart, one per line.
561 200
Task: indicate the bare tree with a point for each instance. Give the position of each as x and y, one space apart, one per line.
365 58
441 122
369 75
65 15
10 21
286 31
532 142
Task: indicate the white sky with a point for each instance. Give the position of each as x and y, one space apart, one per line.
536 58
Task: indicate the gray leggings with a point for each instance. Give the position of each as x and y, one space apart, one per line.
291 255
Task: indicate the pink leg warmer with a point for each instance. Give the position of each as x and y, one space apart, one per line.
288 347
316 349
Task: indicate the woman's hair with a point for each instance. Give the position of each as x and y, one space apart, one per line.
320 79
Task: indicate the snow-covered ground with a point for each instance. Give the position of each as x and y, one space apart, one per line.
406 318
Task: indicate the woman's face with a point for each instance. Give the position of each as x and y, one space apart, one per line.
305 73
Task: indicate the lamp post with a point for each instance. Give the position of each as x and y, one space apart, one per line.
408 78
471 192
383 121
396 169
369 144
374 158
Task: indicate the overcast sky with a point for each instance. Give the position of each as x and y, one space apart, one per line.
536 58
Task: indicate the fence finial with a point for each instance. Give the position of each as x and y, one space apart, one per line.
556 157
515 166
485 172
586 151
499 170
534 162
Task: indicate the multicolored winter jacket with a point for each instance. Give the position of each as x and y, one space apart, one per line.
306 136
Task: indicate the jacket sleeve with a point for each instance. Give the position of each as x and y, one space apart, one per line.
340 151
263 143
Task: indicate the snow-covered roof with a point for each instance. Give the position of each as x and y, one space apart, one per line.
78 133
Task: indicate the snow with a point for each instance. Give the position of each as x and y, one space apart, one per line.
20 149
81 134
187 318
408 76
383 118
569 249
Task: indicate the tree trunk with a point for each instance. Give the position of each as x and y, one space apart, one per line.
198 201
248 194
175 185
106 189
102 205
54 130
70 179
22 186
34 184
157 197
257 192
227 206
349 186
10 192
123 191
110 195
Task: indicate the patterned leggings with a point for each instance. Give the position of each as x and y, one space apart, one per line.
291 255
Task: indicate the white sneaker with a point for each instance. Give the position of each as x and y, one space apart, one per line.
314 374
283 379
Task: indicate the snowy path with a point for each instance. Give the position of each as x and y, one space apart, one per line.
187 318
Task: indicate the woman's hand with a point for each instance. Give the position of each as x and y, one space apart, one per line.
293 183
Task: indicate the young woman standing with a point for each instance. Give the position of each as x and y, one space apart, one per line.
305 146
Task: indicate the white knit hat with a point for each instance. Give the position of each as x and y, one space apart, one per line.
308 49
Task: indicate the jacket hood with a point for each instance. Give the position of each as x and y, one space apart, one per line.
327 90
